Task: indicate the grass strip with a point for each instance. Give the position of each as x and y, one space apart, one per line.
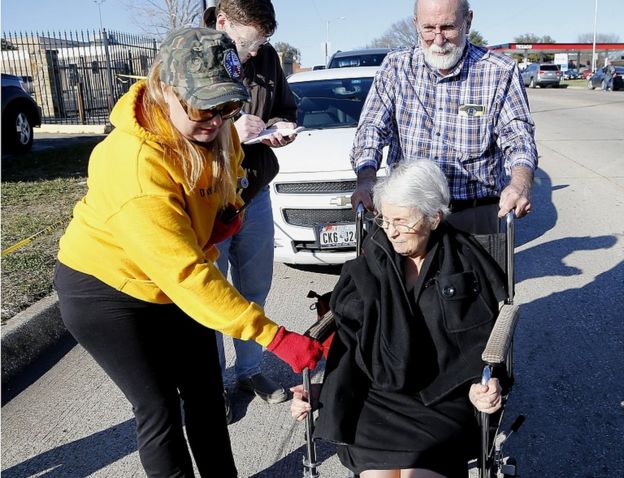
39 189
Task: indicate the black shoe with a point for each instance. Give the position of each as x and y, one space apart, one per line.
264 387
228 408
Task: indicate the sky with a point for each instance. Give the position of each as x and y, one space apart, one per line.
352 23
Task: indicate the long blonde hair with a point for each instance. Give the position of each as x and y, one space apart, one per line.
177 148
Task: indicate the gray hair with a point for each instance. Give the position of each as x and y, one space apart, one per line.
418 184
463 8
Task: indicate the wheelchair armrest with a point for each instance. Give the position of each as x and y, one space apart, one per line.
501 336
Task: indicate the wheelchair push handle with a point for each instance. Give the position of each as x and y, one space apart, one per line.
360 210
510 243
487 375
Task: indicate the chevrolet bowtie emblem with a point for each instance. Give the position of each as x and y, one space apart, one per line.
340 201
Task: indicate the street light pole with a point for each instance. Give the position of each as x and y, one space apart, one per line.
327 39
99 5
327 44
593 67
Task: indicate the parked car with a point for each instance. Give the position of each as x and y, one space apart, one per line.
314 222
570 74
541 74
364 57
598 79
20 113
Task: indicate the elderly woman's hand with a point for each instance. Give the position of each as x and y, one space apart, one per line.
300 406
486 398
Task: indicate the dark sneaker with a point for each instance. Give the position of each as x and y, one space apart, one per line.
264 387
228 408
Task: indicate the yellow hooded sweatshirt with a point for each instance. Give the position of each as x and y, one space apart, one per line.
140 230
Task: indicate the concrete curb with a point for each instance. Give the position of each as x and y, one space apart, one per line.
75 128
26 335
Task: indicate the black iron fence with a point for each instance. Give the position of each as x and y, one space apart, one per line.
76 77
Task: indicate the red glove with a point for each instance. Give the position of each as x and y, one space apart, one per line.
221 229
296 350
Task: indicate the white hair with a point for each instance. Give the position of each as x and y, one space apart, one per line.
418 184
463 8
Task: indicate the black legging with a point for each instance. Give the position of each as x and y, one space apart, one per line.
157 355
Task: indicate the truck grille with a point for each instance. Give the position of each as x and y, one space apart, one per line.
315 187
313 217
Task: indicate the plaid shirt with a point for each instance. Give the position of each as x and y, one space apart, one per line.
473 122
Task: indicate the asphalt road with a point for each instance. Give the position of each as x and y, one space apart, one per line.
65 418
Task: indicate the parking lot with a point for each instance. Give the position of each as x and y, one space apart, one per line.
64 417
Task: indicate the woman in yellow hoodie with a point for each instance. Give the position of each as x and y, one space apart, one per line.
136 278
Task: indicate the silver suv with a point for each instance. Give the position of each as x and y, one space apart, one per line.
541 74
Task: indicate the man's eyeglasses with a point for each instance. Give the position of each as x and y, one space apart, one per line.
246 44
402 228
450 32
226 111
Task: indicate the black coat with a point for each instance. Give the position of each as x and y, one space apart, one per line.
425 342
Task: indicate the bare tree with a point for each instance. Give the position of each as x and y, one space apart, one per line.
403 33
158 17
600 38
400 34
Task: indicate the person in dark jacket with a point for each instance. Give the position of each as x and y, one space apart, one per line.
248 255
413 314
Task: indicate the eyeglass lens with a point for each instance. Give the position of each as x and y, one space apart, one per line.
226 111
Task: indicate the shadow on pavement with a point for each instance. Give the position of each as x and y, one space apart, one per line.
293 461
80 458
35 371
545 214
548 259
569 350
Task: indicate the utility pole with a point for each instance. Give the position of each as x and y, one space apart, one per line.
99 5
327 38
593 66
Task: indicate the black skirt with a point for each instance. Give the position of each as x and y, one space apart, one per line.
396 431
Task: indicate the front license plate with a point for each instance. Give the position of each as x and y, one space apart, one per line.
334 236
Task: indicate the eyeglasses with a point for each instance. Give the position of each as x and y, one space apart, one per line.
450 32
246 44
402 228
226 111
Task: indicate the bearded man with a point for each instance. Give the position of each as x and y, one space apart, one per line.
459 105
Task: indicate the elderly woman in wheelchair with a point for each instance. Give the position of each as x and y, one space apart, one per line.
413 314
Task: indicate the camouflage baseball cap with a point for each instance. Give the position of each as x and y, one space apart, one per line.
203 67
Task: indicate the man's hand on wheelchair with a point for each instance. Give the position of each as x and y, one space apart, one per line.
486 398
517 196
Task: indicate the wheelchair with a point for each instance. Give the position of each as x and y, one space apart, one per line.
498 352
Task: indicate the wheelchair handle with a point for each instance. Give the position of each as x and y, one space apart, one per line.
509 255
360 210
487 374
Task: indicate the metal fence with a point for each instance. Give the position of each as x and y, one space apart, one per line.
76 77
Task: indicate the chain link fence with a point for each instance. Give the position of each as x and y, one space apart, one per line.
76 77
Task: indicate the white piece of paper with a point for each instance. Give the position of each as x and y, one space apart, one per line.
265 133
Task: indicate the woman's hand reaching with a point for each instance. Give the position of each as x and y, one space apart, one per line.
296 350
486 398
